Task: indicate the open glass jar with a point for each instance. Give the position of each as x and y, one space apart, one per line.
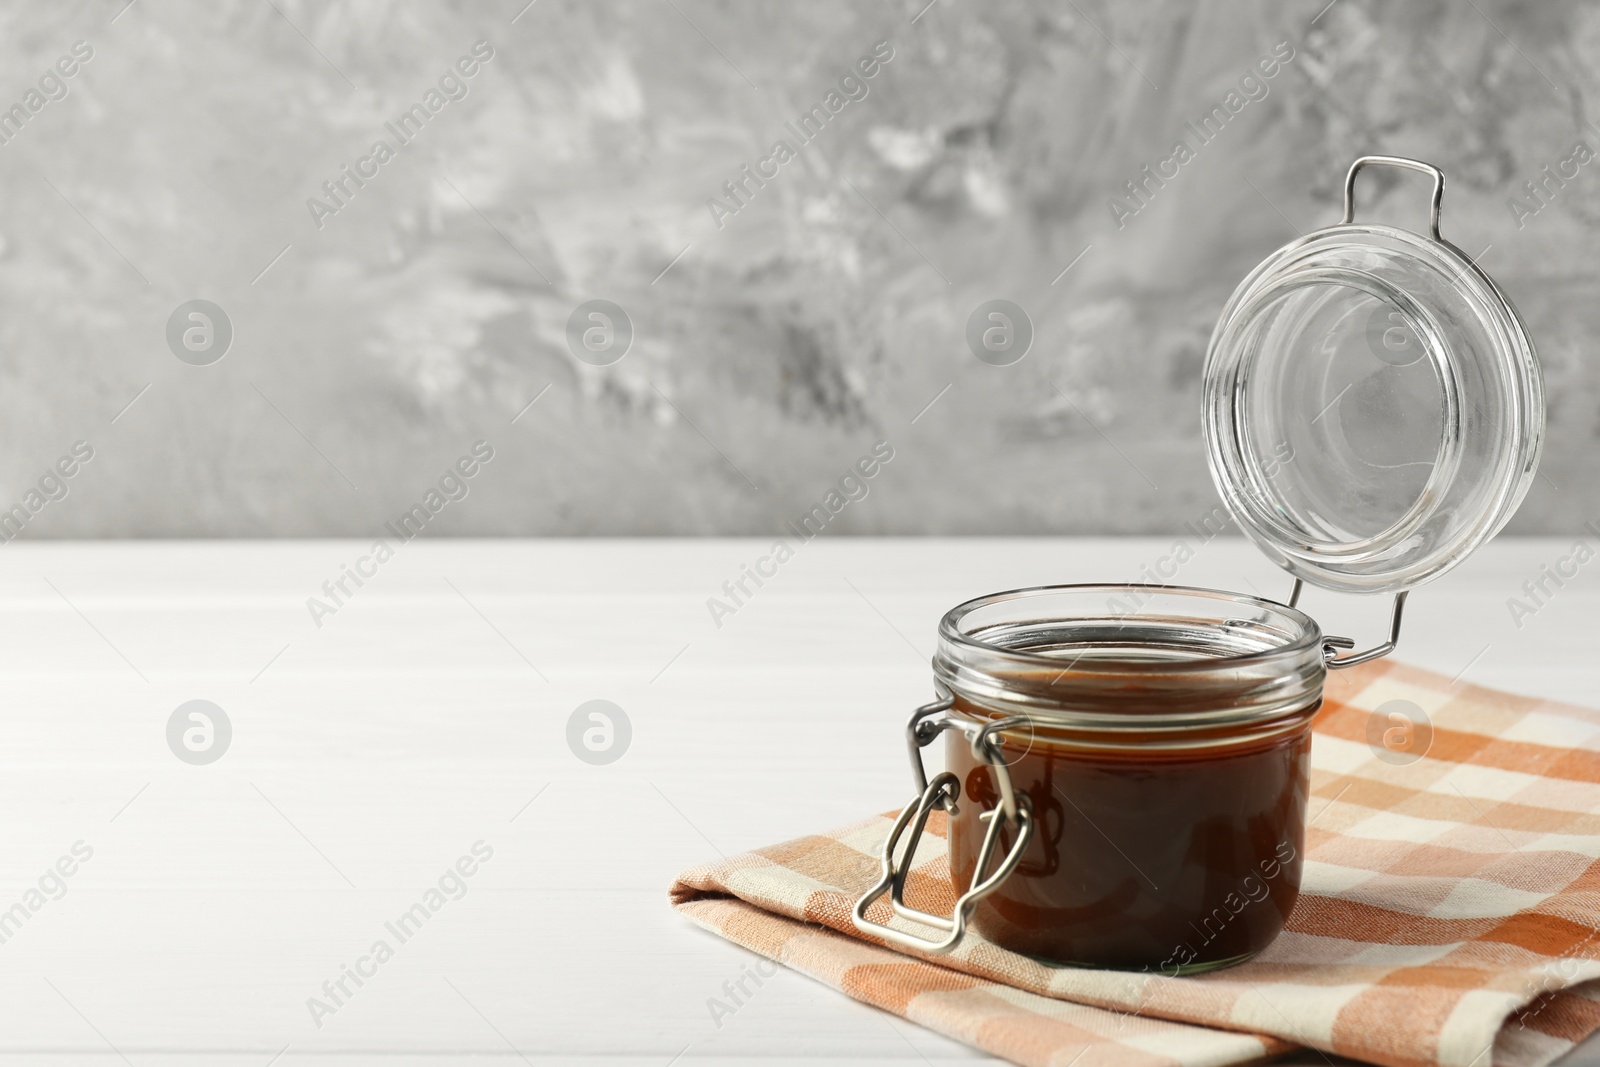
1127 765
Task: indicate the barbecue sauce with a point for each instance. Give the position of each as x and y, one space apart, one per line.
1146 855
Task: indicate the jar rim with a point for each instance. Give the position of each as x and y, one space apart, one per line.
949 624
1181 657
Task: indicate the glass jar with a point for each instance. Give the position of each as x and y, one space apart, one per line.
1127 765
1162 751
1151 744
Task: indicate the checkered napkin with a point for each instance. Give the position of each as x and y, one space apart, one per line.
1448 914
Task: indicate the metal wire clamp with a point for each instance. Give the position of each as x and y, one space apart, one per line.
942 793
1331 645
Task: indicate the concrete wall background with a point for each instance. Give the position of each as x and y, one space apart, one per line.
773 346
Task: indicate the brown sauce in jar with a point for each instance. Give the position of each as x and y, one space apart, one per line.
1148 853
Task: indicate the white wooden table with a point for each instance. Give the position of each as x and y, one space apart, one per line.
424 716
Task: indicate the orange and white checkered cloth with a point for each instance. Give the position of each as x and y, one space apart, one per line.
1448 915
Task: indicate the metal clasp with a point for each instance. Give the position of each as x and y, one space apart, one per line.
1331 645
942 793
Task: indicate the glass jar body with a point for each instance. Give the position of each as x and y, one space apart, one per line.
1160 740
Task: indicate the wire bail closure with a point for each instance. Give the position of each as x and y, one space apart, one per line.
1331 645
942 793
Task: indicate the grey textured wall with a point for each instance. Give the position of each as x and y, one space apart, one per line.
776 337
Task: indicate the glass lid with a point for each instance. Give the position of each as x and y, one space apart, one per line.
1373 404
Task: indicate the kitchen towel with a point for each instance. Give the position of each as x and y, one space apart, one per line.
1448 913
